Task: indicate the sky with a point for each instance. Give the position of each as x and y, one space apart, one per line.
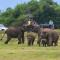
4 4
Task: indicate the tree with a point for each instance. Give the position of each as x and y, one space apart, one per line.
42 11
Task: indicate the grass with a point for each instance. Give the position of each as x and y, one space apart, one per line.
13 51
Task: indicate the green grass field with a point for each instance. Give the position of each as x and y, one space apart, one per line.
13 51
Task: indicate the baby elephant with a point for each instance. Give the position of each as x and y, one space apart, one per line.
44 42
30 39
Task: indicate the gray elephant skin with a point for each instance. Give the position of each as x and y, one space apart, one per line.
48 37
30 39
13 32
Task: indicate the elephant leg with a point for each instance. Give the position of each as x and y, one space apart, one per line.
48 44
19 39
52 43
55 43
32 42
43 41
8 39
29 42
23 39
44 44
38 42
19 42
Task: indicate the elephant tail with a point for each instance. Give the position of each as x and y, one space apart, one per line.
3 35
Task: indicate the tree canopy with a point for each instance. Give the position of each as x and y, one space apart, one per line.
42 11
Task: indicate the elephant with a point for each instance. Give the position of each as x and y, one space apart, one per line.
30 39
31 26
18 32
52 38
13 32
43 39
48 36
44 42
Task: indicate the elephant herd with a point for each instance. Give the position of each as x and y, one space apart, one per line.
46 36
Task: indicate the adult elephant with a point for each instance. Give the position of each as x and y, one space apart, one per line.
13 32
30 38
48 36
52 38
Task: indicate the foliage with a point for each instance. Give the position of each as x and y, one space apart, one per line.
42 11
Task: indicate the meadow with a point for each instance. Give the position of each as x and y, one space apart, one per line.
13 51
